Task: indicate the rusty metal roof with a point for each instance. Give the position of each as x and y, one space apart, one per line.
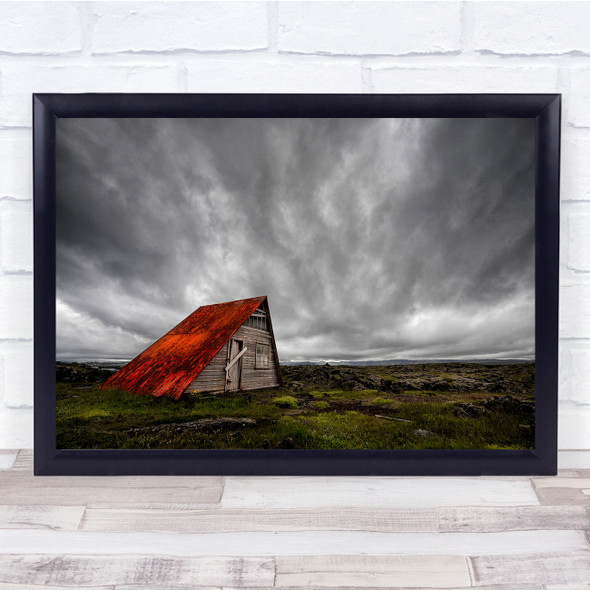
171 363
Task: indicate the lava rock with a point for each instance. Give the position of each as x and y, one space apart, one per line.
509 405
423 433
287 443
471 410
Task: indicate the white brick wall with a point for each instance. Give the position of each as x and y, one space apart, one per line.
16 236
579 242
16 386
16 306
291 47
277 75
432 78
121 27
371 28
523 28
40 28
16 163
578 115
575 171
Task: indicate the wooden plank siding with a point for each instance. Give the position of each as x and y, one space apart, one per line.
253 378
212 378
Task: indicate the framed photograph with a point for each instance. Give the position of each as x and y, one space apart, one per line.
296 284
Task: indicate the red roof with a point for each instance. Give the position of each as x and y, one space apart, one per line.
171 363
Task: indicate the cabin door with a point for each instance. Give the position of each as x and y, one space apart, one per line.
234 374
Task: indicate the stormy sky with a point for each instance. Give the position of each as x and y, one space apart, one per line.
373 238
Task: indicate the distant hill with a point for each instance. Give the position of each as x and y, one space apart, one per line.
370 363
116 364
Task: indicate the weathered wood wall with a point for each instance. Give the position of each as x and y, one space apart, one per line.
212 378
253 378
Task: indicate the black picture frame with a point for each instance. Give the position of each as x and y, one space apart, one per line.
544 108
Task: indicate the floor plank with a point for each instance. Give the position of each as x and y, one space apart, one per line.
232 520
521 533
178 587
573 473
24 460
11 586
432 571
543 568
81 571
7 459
562 497
562 482
448 520
41 517
291 543
388 586
320 492
22 488
172 507
516 518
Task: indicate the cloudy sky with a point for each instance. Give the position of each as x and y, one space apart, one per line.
373 238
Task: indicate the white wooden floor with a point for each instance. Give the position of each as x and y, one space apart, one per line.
173 533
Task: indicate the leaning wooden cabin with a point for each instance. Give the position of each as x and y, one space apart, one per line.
217 348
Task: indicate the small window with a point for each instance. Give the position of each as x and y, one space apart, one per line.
257 322
262 356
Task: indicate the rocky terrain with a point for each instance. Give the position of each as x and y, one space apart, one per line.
80 373
514 379
441 405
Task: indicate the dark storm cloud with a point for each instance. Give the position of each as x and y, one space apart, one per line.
380 238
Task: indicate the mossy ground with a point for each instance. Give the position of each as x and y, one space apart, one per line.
321 417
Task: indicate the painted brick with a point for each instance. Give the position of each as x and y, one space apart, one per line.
16 380
16 164
278 76
16 306
449 79
579 242
529 28
574 383
574 311
369 28
575 166
16 429
573 431
579 97
566 275
16 235
20 81
172 26
46 28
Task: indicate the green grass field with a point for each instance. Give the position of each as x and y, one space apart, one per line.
410 407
